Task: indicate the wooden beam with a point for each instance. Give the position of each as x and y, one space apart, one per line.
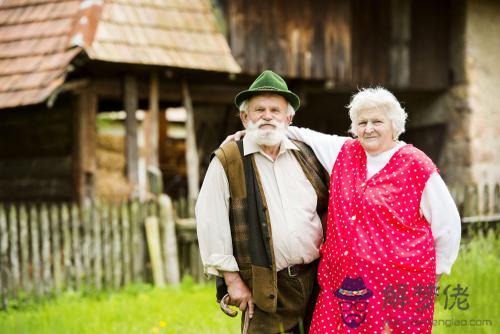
151 122
85 144
130 101
169 91
192 159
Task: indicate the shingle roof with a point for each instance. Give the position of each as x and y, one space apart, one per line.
40 38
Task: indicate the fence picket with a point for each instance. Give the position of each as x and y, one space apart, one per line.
87 240
4 258
24 248
136 241
56 247
127 270
496 199
67 253
77 255
485 200
35 251
97 245
108 274
115 228
170 254
45 234
14 253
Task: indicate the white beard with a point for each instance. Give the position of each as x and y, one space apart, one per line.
266 137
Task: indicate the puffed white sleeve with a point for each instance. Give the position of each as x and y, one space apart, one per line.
212 222
440 211
325 147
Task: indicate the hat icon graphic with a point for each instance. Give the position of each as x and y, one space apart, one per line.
353 289
353 305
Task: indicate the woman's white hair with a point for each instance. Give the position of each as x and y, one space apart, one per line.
379 98
244 108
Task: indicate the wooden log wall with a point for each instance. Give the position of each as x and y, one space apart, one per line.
395 43
51 247
35 152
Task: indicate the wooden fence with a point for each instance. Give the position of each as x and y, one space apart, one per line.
46 248
477 202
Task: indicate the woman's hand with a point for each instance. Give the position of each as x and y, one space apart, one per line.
235 136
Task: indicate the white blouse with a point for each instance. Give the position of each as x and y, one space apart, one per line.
436 204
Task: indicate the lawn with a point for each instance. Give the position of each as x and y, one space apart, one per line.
191 308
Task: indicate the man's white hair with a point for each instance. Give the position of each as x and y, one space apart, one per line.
244 108
379 98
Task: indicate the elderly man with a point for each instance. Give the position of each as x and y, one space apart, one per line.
258 213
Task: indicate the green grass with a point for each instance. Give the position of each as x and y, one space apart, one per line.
191 308
478 269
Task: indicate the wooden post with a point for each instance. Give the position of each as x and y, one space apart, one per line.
85 145
192 159
167 222
4 258
130 99
151 125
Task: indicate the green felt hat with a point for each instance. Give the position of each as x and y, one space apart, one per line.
268 82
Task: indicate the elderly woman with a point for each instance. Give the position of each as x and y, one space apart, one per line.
393 227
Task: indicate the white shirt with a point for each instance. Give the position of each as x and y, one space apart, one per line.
436 204
291 199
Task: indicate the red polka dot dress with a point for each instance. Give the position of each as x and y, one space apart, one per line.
378 239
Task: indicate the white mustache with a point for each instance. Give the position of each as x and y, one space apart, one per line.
262 122
266 136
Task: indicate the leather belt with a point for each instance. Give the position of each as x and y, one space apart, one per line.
295 269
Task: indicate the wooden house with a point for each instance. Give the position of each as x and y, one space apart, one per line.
438 57
64 63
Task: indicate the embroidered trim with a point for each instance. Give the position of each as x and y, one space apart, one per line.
353 293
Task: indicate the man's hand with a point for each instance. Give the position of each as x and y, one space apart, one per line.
239 294
235 136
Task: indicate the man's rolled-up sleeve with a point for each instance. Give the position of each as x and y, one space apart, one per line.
212 222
